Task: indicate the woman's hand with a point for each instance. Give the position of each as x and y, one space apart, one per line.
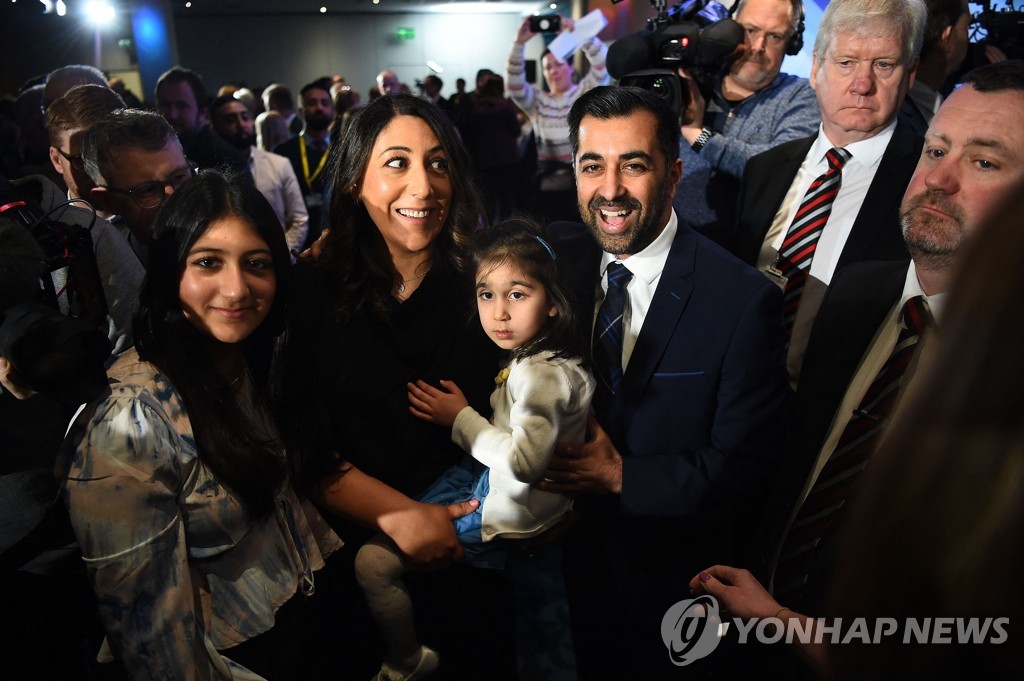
524 33
425 535
315 250
436 406
737 590
423 532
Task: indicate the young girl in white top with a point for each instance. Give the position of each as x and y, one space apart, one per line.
542 397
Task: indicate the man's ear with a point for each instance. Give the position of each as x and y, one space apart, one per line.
55 160
675 172
100 199
944 40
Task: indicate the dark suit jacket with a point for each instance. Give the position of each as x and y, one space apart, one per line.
698 423
854 307
290 150
876 233
912 117
209 150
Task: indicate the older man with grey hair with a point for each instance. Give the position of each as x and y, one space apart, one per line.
810 207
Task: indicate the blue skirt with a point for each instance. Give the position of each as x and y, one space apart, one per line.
470 479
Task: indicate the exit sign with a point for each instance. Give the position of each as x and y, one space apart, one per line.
406 33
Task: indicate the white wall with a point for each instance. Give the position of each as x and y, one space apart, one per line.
298 49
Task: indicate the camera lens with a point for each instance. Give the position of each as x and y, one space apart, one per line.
545 24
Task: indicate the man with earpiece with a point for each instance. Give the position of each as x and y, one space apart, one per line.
752 108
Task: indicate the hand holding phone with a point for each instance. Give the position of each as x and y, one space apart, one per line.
546 23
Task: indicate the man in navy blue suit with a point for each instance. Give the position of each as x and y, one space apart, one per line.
685 429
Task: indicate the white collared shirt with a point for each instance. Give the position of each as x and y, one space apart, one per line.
858 174
646 267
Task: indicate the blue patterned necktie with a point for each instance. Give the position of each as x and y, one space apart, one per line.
608 332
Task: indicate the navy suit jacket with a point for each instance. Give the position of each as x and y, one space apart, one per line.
697 419
876 233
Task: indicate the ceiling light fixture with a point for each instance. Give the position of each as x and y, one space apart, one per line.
99 13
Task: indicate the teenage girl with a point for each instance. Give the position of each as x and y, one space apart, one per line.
180 487
542 397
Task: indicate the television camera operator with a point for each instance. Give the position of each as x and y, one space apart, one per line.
49 362
748 108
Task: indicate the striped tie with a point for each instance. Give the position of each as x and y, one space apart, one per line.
802 239
608 332
822 509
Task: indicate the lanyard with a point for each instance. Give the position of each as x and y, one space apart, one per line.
305 163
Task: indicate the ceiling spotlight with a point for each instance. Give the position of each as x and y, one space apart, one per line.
553 6
376 2
188 5
62 9
323 10
99 12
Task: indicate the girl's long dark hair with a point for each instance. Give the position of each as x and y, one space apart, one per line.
238 452
355 257
521 243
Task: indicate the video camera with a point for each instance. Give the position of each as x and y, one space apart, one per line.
697 35
1004 29
55 354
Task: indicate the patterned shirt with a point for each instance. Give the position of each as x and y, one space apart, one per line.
179 568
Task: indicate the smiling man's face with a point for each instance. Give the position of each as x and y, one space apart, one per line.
624 187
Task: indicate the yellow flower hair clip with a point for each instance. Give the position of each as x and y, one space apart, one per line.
502 376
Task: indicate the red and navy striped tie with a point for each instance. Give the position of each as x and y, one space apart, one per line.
802 238
822 509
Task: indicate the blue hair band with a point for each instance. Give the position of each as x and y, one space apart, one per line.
547 248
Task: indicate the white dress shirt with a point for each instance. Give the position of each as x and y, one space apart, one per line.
858 174
646 267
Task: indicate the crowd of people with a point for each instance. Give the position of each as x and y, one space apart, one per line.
379 402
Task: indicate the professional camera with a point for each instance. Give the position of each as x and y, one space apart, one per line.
1004 29
54 354
697 35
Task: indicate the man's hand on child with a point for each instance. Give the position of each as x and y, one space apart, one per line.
596 467
439 406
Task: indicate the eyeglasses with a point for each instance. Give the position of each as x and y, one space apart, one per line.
76 162
152 194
